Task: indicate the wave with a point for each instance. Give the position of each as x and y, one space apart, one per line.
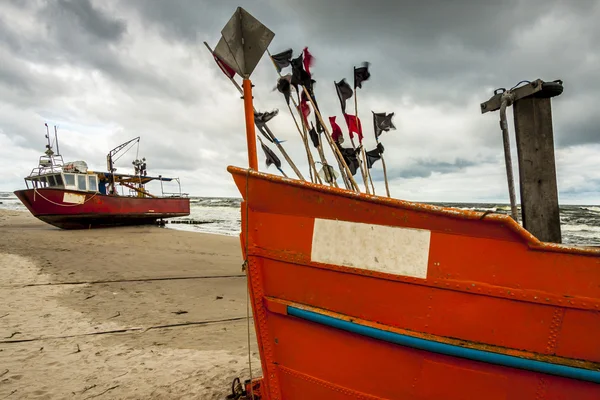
215 202
592 209
580 228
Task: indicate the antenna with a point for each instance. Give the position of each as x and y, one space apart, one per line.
48 151
56 140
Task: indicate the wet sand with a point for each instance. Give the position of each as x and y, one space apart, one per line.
120 313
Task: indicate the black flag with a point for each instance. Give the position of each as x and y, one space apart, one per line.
260 119
311 92
374 155
271 157
350 157
282 59
284 86
382 122
299 74
314 136
344 92
361 74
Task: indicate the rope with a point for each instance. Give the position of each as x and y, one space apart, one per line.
35 192
248 287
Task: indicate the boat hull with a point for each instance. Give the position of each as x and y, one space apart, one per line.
69 209
358 296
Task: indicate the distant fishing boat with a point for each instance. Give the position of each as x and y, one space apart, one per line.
357 296
70 196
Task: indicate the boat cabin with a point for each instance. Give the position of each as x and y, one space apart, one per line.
85 182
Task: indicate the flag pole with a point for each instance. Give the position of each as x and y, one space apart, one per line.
250 132
311 161
362 161
387 188
334 148
306 128
322 153
279 146
311 167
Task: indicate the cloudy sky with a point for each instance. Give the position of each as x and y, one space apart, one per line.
107 71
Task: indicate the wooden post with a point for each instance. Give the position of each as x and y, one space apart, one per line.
537 169
535 148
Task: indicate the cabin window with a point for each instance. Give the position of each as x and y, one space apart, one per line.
42 181
51 181
69 180
59 181
81 182
92 184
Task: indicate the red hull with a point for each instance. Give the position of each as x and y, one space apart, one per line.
69 209
364 297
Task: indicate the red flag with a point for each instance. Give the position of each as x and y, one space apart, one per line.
308 60
227 70
336 131
304 108
354 125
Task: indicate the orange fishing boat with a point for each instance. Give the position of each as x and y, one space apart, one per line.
357 296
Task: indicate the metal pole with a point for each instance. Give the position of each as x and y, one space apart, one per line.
250 132
506 97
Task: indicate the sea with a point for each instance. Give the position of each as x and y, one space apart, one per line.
580 224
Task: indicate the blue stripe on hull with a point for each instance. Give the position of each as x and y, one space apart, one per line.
449 349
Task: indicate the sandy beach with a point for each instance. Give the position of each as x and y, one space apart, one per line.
120 313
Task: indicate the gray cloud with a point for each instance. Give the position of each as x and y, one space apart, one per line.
110 71
81 16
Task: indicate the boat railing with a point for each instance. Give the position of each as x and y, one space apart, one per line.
48 164
171 194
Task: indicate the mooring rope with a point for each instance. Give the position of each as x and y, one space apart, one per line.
35 192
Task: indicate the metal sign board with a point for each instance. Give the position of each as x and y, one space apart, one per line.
243 42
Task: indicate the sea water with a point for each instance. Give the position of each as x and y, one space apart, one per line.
221 215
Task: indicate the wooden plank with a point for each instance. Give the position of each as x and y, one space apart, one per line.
493 104
537 169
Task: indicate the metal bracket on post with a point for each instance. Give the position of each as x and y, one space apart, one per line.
535 148
537 88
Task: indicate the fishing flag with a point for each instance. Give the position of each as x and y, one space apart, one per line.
314 136
299 74
361 74
264 117
311 93
382 122
344 92
308 60
336 131
282 59
350 157
227 70
304 107
271 156
354 126
374 155
284 86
